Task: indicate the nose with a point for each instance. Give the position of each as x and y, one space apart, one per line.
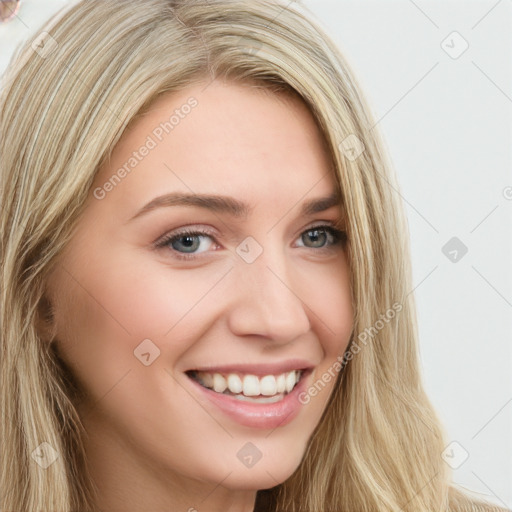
265 301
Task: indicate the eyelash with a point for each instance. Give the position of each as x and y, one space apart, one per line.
338 235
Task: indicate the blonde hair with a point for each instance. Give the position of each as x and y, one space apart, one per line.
65 103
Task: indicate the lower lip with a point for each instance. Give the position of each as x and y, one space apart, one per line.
251 414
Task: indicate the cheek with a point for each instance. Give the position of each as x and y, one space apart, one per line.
135 298
329 299
112 304
333 321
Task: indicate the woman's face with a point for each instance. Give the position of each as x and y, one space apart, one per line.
262 291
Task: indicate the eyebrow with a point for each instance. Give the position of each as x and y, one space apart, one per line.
229 205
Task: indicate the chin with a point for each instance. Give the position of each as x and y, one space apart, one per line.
264 474
255 481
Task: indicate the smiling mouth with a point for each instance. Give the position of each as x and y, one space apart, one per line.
248 387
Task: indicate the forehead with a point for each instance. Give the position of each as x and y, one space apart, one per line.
223 138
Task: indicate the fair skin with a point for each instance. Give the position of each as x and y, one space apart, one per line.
156 442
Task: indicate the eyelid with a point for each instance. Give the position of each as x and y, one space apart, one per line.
183 231
194 230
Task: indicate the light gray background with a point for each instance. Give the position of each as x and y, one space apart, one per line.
447 124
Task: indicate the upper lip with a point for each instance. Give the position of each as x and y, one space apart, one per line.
258 369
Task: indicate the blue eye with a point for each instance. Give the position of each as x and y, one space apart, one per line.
321 234
186 243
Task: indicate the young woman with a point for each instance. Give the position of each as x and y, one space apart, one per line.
205 274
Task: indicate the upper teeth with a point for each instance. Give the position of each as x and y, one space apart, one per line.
249 385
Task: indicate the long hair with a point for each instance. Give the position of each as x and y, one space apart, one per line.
66 100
